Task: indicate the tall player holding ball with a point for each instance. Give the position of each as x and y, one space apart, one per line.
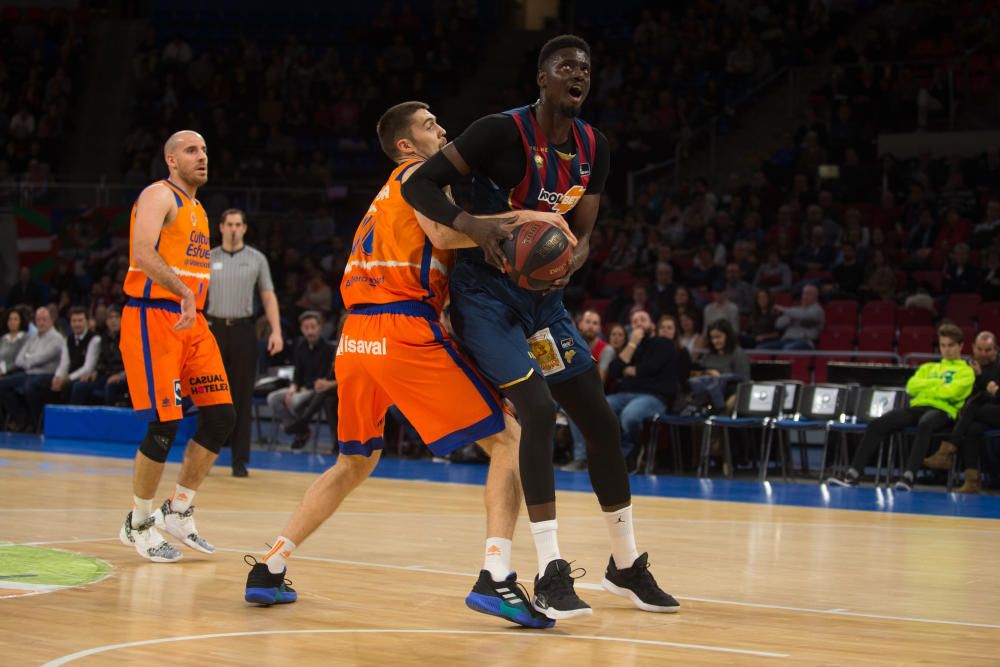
540 157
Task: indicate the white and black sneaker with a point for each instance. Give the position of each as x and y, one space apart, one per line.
638 585
554 594
905 483
848 479
147 541
181 525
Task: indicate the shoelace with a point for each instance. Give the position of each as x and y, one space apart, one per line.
564 582
251 561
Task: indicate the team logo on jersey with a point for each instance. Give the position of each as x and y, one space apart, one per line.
194 219
562 202
585 169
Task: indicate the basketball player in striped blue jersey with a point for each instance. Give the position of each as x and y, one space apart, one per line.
540 157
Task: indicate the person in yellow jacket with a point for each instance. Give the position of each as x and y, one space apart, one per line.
937 391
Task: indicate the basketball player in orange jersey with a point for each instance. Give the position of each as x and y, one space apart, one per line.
393 350
170 355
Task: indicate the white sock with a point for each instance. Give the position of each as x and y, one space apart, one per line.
141 509
622 537
182 498
546 543
497 561
281 552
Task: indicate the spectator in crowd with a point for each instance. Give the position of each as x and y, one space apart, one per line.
684 303
108 380
800 325
689 336
815 255
881 280
763 326
25 291
313 358
39 359
721 309
773 273
959 276
724 363
80 354
990 289
589 325
647 370
12 341
617 338
738 291
848 273
621 309
662 291
667 328
980 414
937 391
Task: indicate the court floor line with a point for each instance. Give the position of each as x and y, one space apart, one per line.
587 585
638 520
388 631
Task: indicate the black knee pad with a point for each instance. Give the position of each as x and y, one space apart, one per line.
215 423
159 437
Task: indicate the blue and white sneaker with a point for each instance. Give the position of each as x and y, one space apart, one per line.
266 588
505 599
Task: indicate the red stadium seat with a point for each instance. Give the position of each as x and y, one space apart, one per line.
837 337
916 339
968 336
841 312
876 339
782 299
597 305
914 317
988 315
878 314
962 308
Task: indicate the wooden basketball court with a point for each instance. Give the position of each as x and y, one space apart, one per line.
383 582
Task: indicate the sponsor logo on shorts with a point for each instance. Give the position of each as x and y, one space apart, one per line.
569 356
566 342
177 393
208 384
350 345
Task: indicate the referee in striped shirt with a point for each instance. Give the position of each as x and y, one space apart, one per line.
236 270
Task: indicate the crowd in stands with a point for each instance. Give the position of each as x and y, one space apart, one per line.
40 58
297 107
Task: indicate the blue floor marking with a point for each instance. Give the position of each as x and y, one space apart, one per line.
931 502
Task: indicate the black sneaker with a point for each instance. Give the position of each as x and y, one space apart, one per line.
506 599
266 588
637 584
554 594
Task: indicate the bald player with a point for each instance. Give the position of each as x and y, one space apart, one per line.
170 355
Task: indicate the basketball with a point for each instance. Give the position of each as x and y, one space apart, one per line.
538 255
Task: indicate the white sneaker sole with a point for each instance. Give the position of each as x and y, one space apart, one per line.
156 559
626 593
556 615
161 524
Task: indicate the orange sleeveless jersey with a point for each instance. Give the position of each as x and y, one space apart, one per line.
184 246
391 257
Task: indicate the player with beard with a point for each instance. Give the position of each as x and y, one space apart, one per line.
540 157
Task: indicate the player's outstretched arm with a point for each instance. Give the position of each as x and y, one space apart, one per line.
154 210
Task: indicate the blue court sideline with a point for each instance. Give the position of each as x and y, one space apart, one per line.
932 502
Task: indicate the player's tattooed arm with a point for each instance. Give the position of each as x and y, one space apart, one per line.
156 209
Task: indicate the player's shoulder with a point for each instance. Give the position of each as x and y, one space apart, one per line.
496 123
158 192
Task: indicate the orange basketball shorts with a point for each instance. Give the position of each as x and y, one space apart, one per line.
398 354
167 369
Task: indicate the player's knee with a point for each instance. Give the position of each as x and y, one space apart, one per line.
159 438
215 423
534 404
356 468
